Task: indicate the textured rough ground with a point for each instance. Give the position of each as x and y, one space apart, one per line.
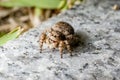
99 59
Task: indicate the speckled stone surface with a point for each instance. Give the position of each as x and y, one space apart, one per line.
99 59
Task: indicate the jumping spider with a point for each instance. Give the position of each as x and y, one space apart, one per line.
61 36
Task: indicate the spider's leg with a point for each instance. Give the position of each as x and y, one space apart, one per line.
41 44
42 40
61 47
68 47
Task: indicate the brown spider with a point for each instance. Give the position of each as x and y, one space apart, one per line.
61 36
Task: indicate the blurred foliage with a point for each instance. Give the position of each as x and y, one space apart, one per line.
29 13
2 33
11 35
47 4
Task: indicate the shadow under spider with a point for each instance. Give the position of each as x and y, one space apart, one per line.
84 44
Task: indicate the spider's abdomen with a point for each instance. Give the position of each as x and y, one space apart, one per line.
63 27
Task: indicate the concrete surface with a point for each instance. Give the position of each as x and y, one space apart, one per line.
99 59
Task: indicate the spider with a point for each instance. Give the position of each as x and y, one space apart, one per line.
61 35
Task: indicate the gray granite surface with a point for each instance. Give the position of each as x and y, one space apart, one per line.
99 59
